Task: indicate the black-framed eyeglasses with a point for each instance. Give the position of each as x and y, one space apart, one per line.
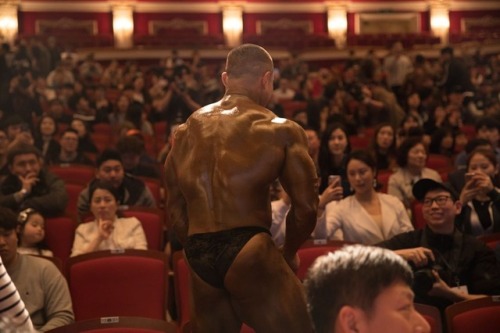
440 200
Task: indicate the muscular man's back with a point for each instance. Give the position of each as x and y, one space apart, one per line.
228 154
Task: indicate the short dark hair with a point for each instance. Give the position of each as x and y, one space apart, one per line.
404 149
476 142
488 122
248 59
108 154
22 148
69 130
130 144
363 156
103 185
8 219
354 275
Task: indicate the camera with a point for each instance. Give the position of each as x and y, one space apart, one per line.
423 278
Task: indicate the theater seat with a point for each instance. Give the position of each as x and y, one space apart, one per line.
312 250
118 325
432 315
118 283
475 316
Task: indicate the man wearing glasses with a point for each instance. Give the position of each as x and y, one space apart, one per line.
449 266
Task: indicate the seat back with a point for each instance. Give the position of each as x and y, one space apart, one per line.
432 315
182 278
491 240
59 236
118 325
383 180
478 316
440 163
118 283
152 221
417 215
74 173
73 190
312 250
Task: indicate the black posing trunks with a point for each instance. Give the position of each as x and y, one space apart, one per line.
211 254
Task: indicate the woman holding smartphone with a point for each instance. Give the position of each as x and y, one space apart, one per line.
366 217
480 198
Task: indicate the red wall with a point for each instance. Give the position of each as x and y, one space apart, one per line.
457 16
318 20
214 21
27 20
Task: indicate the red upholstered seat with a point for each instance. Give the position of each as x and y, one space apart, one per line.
311 250
74 173
432 315
417 215
118 325
59 236
118 283
152 221
475 316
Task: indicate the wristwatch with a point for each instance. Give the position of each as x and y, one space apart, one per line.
24 192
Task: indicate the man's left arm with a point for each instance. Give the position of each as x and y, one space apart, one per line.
58 307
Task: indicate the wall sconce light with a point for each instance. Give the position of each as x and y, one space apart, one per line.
440 22
337 24
232 25
8 23
123 26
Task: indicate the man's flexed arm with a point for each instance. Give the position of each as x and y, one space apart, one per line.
299 180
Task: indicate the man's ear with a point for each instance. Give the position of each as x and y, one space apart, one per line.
267 78
224 78
350 320
458 207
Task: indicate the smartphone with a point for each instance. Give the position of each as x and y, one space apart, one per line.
468 176
334 178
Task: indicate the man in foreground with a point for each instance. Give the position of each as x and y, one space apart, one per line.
362 289
219 172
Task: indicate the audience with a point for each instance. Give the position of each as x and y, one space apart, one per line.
383 147
45 137
30 185
31 233
366 217
107 231
333 151
362 289
450 266
68 152
480 198
130 191
411 159
41 285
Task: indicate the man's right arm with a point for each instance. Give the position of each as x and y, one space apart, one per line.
299 180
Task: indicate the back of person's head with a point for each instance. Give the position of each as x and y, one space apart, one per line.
130 144
487 122
447 50
248 59
352 276
404 149
21 148
106 155
475 143
8 219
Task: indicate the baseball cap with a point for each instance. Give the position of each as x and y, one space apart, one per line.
424 185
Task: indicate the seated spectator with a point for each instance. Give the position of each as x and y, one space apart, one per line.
69 152
131 191
45 137
15 317
486 128
85 143
456 179
14 125
443 142
479 197
29 185
57 111
333 152
31 233
134 157
366 217
284 92
118 116
362 289
107 231
4 144
411 158
136 115
41 285
383 147
450 266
